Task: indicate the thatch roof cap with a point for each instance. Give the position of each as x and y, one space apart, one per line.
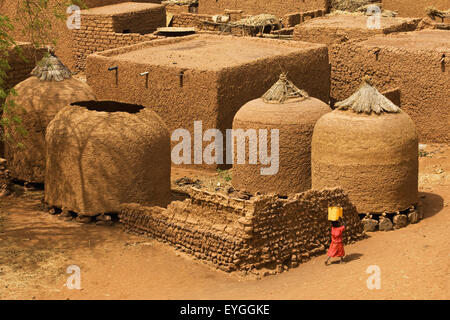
368 99
50 68
283 90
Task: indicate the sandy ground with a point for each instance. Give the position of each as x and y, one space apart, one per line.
36 249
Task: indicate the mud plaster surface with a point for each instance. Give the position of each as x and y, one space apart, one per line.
121 8
206 54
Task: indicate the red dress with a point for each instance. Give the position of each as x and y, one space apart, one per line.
336 247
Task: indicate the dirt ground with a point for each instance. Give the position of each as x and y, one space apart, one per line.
36 248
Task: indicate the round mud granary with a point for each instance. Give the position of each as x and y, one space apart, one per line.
102 153
369 147
293 113
39 98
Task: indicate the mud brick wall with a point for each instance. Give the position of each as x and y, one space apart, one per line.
410 8
293 19
176 8
20 68
143 22
99 33
254 7
233 234
408 61
65 42
193 20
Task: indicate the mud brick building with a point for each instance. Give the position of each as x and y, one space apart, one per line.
416 62
278 8
204 77
341 28
59 31
113 26
409 8
263 233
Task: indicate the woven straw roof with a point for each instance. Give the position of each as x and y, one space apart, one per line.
368 99
50 68
283 90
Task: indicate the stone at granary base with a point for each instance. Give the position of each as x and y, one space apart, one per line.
413 217
369 224
400 221
385 224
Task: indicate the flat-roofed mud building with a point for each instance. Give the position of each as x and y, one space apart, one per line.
416 62
205 78
341 28
114 26
409 8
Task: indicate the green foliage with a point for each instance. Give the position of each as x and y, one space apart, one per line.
8 106
34 18
224 175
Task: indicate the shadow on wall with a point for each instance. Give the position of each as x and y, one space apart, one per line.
108 179
431 204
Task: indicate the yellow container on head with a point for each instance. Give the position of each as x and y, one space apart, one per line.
334 213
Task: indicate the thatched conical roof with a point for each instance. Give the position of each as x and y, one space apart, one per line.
283 90
50 68
368 99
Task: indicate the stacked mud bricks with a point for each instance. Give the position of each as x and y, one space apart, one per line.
193 20
21 63
115 26
263 233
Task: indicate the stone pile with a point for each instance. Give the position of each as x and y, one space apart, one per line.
105 219
388 222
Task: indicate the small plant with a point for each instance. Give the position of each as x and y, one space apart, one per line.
9 118
35 18
224 175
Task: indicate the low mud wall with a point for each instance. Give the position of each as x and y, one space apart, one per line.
263 233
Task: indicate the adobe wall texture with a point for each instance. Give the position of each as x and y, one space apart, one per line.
66 43
409 8
99 156
411 62
264 233
332 30
185 19
216 81
101 30
20 68
254 7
